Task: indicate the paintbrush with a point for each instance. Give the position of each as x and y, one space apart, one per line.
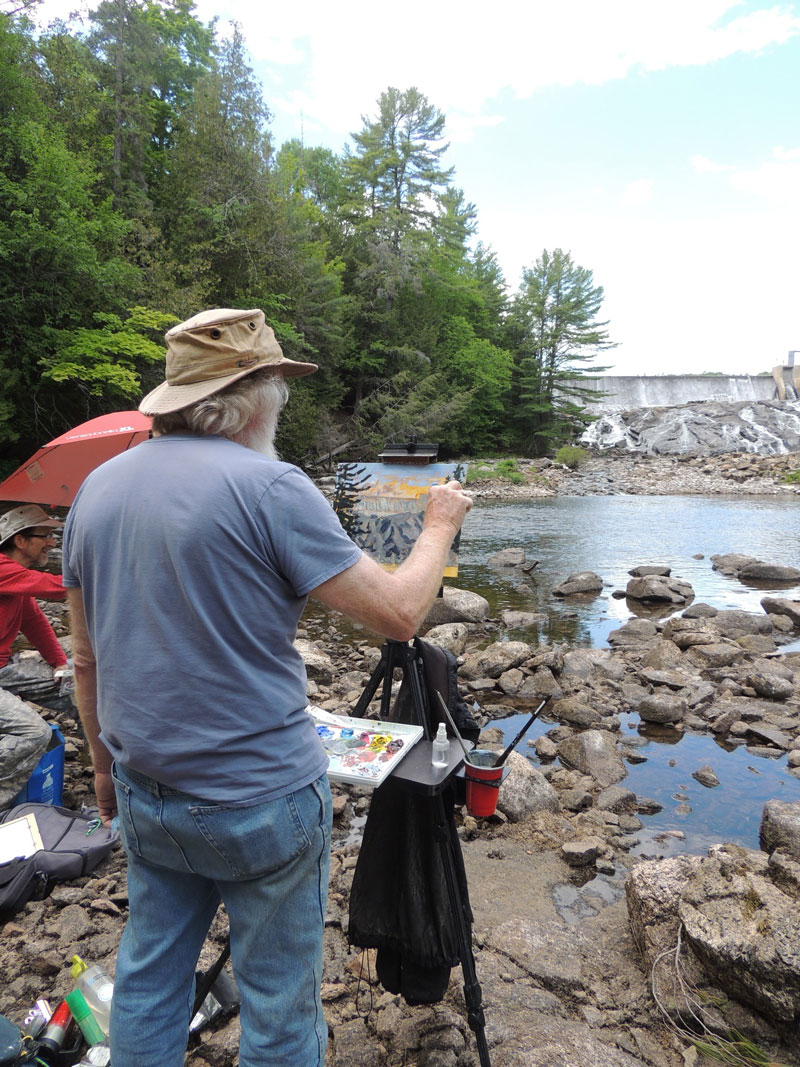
455 728
499 762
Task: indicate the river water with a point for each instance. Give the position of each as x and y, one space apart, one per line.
610 535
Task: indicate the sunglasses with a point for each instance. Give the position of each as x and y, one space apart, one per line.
43 536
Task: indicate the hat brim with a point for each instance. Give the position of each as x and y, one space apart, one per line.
166 398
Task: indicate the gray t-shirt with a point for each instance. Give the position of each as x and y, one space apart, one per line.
195 557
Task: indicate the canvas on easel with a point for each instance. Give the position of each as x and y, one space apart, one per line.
381 506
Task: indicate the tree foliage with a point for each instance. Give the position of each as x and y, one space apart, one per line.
139 183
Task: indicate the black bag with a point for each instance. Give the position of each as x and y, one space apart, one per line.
73 845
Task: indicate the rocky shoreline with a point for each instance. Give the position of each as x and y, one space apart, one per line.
576 940
621 473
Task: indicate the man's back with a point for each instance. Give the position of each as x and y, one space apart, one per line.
194 556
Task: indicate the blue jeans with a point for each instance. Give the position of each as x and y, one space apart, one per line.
268 862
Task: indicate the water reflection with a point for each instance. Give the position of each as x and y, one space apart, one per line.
610 535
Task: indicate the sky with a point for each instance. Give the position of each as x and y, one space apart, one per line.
658 142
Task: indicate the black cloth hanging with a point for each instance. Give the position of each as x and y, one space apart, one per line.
399 900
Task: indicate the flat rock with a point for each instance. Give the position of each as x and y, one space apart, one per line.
593 752
580 582
779 606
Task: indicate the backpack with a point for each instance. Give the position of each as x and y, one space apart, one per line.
72 845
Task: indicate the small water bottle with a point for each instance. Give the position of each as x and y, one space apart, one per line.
440 748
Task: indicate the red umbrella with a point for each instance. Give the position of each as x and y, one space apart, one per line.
54 474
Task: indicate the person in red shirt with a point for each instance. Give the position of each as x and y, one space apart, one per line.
26 538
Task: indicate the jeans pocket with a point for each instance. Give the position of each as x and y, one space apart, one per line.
252 840
127 831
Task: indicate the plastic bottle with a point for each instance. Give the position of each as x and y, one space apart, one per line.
440 748
97 989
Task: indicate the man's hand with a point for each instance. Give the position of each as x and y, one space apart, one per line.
106 796
448 505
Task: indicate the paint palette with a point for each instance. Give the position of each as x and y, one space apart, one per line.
362 751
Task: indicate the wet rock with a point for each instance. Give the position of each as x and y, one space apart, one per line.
580 582
664 655
617 799
451 636
721 654
594 753
547 749
649 568
633 633
700 611
542 683
705 776
764 732
525 791
584 663
669 679
768 572
319 665
662 708
456 605
574 711
522 620
779 606
583 853
494 660
655 587
770 685
744 930
780 828
731 563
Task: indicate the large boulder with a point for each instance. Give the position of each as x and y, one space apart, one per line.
451 636
665 708
585 663
780 606
593 752
319 665
494 660
525 791
659 588
633 634
768 572
507 557
584 582
744 930
456 605
780 828
730 563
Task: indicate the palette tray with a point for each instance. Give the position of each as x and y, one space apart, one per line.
362 751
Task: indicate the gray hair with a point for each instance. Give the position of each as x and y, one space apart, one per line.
246 412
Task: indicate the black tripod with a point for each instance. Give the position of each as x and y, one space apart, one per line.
416 774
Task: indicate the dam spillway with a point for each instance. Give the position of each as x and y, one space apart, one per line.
630 392
695 413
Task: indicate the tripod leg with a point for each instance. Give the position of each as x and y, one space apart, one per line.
473 995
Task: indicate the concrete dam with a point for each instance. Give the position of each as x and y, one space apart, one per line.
625 392
696 413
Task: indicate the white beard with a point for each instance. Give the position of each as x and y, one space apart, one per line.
259 437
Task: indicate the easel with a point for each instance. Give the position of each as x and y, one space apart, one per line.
416 774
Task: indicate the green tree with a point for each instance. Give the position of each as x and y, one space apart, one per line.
60 244
554 331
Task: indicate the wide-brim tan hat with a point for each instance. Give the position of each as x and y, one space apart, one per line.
212 350
25 518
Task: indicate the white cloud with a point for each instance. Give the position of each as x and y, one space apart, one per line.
703 165
463 58
638 193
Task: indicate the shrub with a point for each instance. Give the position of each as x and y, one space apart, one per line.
571 456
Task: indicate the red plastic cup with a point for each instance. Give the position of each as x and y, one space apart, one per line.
483 782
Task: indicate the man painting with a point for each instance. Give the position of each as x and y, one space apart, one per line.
189 561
